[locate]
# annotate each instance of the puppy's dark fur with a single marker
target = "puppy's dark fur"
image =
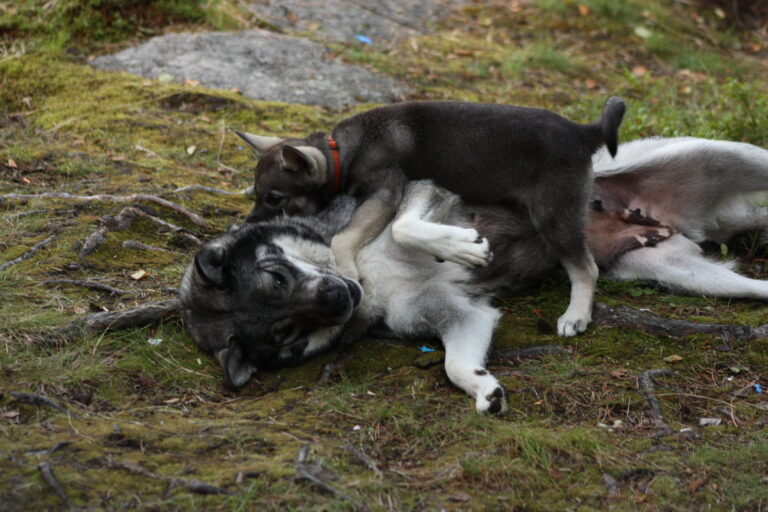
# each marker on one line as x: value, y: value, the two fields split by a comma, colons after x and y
x: 530, y: 160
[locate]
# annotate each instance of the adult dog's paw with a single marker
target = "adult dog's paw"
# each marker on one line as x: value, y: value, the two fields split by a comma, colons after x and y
x: 495, y: 402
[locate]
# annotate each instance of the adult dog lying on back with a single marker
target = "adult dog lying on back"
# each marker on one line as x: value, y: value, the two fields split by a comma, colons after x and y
x: 269, y: 294
x: 528, y: 160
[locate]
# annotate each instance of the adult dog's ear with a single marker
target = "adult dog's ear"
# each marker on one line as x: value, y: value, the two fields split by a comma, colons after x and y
x: 209, y: 263
x: 306, y: 160
x: 260, y: 143
x: 237, y: 368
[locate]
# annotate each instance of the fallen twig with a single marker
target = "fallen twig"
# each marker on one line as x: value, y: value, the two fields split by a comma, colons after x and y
x: 630, y: 318
x: 139, y: 246
x: 147, y: 314
x: 195, y: 486
x: 209, y: 190
x: 50, y: 479
x: 41, y: 401
x: 99, y: 287
x: 29, y: 253
x: 646, y: 386
x: 537, y: 351
x: 196, y: 219
x: 310, y: 472
x: 365, y: 459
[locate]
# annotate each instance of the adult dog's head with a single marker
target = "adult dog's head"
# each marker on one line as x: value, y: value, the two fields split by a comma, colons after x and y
x: 268, y: 295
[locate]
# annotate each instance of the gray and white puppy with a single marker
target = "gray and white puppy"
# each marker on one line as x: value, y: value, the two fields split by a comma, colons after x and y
x: 529, y: 160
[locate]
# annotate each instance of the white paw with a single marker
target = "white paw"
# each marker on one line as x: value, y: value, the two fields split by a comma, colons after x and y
x: 492, y: 402
x: 571, y: 324
x: 465, y: 247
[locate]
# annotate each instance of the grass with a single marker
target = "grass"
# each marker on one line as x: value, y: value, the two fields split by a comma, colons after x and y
x: 572, y: 419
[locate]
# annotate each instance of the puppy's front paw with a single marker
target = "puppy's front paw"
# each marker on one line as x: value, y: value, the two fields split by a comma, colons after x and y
x: 494, y: 402
x: 571, y: 324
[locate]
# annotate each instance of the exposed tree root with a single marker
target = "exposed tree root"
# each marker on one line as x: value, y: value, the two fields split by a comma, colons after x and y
x: 42, y: 401
x: 29, y: 253
x: 630, y: 318
x: 91, y: 285
x: 47, y: 473
x: 364, y: 459
x: 147, y: 314
x: 123, y: 221
x: 195, y: 486
x: 313, y: 474
x: 646, y: 386
x: 527, y: 352
x: 196, y: 219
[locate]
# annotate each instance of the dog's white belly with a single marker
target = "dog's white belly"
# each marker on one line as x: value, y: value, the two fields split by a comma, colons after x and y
x: 392, y: 277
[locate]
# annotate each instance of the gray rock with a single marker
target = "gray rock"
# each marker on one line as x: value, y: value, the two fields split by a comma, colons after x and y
x: 343, y: 20
x: 261, y: 64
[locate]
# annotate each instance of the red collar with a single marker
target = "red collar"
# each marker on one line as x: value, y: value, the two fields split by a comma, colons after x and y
x: 337, y: 164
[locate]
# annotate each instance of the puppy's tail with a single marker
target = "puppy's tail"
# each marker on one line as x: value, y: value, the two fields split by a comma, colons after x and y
x: 609, y: 122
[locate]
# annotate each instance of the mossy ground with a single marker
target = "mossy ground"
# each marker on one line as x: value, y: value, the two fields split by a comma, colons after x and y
x: 66, y: 127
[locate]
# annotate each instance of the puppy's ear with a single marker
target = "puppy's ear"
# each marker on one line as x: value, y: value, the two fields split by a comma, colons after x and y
x: 209, y: 263
x: 305, y: 159
x: 237, y: 368
x: 260, y: 143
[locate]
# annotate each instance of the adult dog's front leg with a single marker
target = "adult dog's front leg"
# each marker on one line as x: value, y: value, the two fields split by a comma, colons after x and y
x: 368, y: 221
x: 467, y: 339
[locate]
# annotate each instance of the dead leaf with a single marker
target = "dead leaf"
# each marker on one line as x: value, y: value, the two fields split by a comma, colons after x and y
x: 694, y: 485
x: 583, y: 9
x: 639, y: 71
x: 78, y: 310
x: 172, y: 401
x: 459, y: 496
x: 11, y: 415
x: 139, y: 274
x: 12, y: 164
x: 193, y: 83
x: 673, y: 358
x: 26, y: 180
x: 621, y: 372
x: 591, y: 84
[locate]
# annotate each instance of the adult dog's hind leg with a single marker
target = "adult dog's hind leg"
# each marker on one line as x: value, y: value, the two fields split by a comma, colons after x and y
x: 417, y: 226
x: 679, y: 264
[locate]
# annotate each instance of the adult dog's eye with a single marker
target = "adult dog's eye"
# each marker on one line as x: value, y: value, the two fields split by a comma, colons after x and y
x: 278, y: 281
x: 274, y: 199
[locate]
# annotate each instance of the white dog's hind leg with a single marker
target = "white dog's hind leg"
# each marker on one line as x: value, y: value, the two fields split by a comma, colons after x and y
x: 679, y: 264
x: 579, y: 313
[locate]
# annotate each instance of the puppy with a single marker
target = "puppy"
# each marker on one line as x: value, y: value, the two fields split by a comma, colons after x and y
x: 528, y: 160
